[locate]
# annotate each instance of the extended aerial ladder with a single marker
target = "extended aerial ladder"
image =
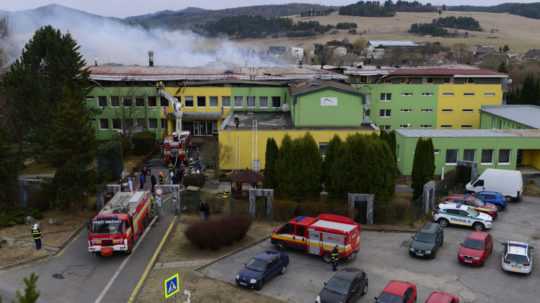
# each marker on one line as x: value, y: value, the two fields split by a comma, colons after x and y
x: 176, y: 104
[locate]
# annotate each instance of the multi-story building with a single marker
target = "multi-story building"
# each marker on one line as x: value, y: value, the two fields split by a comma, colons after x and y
x: 427, y: 97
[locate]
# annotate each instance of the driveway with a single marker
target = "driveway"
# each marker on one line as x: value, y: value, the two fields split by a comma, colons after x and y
x: 384, y: 257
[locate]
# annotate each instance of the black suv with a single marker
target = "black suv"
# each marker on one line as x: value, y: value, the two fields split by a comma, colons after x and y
x: 346, y: 286
x: 427, y: 241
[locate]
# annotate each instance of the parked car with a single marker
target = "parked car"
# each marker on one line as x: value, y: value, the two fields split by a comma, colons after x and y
x: 507, y: 182
x: 398, y: 291
x: 470, y: 200
x: 347, y: 285
x: 426, y: 242
x: 459, y: 214
x: 494, y: 198
x: 442, y: 297
x: 476, y: 248
x: 262, y: 268
x: 517, y: 257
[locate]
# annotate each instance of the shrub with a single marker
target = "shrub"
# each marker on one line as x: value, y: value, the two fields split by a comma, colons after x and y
x: 215, y: 234
x: 110, y: 161
x: 143, y: 142
x: 283, y: 210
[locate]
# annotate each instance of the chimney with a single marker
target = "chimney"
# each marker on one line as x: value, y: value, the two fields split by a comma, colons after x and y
x: 150, y: 58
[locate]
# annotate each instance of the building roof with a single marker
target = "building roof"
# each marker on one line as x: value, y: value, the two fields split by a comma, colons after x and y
x: 528, y: 115
x: 265, y: 120
x: 467, y: 133
x: 169, y: 73
x: 392, y: 43
x: 457, y: 72
x: 306, y: 87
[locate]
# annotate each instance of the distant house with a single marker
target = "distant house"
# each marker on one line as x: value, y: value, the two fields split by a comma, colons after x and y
x: 376, y: 48
x: 480, y: 51
x: 532, y: 54
x: 297, y: 52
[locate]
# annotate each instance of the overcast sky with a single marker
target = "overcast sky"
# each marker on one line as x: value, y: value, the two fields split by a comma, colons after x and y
x: 123, y: 8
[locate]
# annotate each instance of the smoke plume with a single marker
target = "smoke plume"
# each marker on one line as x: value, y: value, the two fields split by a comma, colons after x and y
x: 109, y: 40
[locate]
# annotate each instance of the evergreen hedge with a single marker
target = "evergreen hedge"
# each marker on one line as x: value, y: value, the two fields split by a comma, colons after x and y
x: 143, y: 143
x: 423, y: 165
x: 110, y: 163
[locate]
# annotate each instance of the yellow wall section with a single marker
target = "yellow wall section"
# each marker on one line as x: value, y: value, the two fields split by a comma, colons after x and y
x: 531, y: 158
x: 236, y: 146
x: 457, y: 117
x: 206, y: 91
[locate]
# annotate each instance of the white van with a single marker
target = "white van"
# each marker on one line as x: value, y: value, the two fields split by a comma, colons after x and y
x: 507, y: 182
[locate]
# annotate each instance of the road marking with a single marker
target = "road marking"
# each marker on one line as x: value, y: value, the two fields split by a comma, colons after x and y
x: 150, y: 264
x: 124, y: 263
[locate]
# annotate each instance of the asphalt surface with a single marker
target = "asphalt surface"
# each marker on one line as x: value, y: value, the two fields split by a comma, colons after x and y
x: 75, y: 275
x: 384, y: 256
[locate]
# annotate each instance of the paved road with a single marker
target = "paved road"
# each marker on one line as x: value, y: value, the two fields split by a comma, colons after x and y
x: 384, y: 257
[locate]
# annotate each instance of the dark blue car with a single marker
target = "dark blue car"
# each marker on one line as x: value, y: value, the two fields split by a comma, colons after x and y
x: 494, y: 198
x: 262, y: 268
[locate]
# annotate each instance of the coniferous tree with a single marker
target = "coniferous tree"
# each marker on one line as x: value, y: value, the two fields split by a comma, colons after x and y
x: 284, y: 166
x: 9, y: 169
x: 30, y: 294
x: 271, y: 156
x: 423, y: 166
x: 309, y: 167
x: 332, y: 153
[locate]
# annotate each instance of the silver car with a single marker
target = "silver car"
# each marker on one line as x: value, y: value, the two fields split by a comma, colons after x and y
x: 517, y: 257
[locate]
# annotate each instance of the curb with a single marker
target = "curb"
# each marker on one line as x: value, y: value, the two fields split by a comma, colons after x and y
x: 56, y: 253
x: 150, y: 264
x: 232, y: 253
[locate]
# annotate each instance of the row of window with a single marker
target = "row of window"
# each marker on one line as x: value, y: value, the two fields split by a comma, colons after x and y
x: 408, y: 125
x: 131, y: 123
x: 189, y: 101
x: 486, y: 156
x: 385, y: 97
x: 385, y: 112
x: 451, y: 126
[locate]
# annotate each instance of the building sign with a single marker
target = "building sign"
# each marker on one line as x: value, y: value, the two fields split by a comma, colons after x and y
x: 329, y: 101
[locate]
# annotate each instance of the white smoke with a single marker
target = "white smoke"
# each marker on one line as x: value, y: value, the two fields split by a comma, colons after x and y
x: 111, y: 41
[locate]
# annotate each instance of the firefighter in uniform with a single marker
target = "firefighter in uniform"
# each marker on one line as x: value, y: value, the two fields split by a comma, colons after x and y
x: 36, y: 235
x: 334, y: 258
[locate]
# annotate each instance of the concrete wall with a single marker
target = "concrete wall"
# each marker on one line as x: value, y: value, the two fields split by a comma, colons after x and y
x: 238, y: 148
x: 308, y: 111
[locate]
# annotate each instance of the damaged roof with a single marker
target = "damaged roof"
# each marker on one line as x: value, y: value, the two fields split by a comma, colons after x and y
x: 460, y: 72
x: 302, y: 88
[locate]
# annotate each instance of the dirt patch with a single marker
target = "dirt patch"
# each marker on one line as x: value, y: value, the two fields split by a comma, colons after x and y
x: 54, y: 236
x: 178, y: 247
x: 203, y: 290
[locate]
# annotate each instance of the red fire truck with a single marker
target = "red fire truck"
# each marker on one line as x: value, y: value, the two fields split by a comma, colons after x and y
x: 175, y: 147
x: 120, y: 223
x: 320, y: 235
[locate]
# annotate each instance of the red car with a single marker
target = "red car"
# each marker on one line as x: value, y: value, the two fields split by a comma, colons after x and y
x: 441, y: 297
x: 398, y: 291
x: 476, y: 248
x: 474, y: 202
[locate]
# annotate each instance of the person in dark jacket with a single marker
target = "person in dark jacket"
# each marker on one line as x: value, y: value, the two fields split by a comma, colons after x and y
x: 334, y: 258
x: 153, y: 181
x: 36, y: 235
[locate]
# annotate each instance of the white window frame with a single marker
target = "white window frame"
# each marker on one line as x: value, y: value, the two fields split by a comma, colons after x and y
x: 108, y: 124
x: 427, y: 110
x: 509, y: 156
x: 186, y: 98
x: 482, y: 154
x: 253, y: 99
x: 446, y: 157
x: 427, y: 94
x: 407, y: 94
x: 490, y: 94
x: 387, y: 113
x: 385, y: 97
x: 260, y: 103
x: 448, y: 94
x: 210, y: 101
x: 223, y: 104
x: 474, y: 154
x: 238, y: 98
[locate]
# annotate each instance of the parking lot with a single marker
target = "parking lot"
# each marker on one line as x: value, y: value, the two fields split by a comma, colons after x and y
x: 384, y: 257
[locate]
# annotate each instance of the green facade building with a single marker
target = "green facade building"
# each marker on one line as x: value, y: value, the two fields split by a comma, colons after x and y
x: 510, y: 117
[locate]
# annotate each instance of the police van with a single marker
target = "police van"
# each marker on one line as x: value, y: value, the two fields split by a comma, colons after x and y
x: 459, y: 214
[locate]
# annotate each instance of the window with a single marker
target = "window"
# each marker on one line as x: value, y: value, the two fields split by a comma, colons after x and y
x: 386, y: 96
x: 213, y: 101
x: 426, y: 126
x: 385, y: 112
x: 238, y: 101
x: 128, y: 101
x: 139, y: 101
x: 152, y: 123
x: 226, y: 101
x: 406, y: 110
x: 479, y: 183
x: 103, y: 123
x: 250, y: 101
x: 468, y: 155
x: 152, y: 101
x: 116, y: 124
x: 487, y: 156
x: 446, y: 125
x: 490, y: 94
x: 263, y: 101
x: 468, y: 94
x: 188, y: 101
x: 102, y: 101
x: 427, y: 110
x: 466, y: 126
x: 406, y: 94
x: 468, y: 110
x: 447, y: 110
x: 436, y: 151
x: 504, y: 156
x: 276, y: 102
x: 163, y: 123
x: 201, y: 101
x: 128, y: 123
x: 115, y: 101
x: 448, y: 94
x: 427, y: 94
x: 451, y: 156
x: 163, y: 101
x: 405, y: 125
x: 141, y: 123
x: 385, y: 127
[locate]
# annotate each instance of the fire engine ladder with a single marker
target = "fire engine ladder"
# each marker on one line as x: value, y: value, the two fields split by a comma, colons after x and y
x: 175, y: 103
